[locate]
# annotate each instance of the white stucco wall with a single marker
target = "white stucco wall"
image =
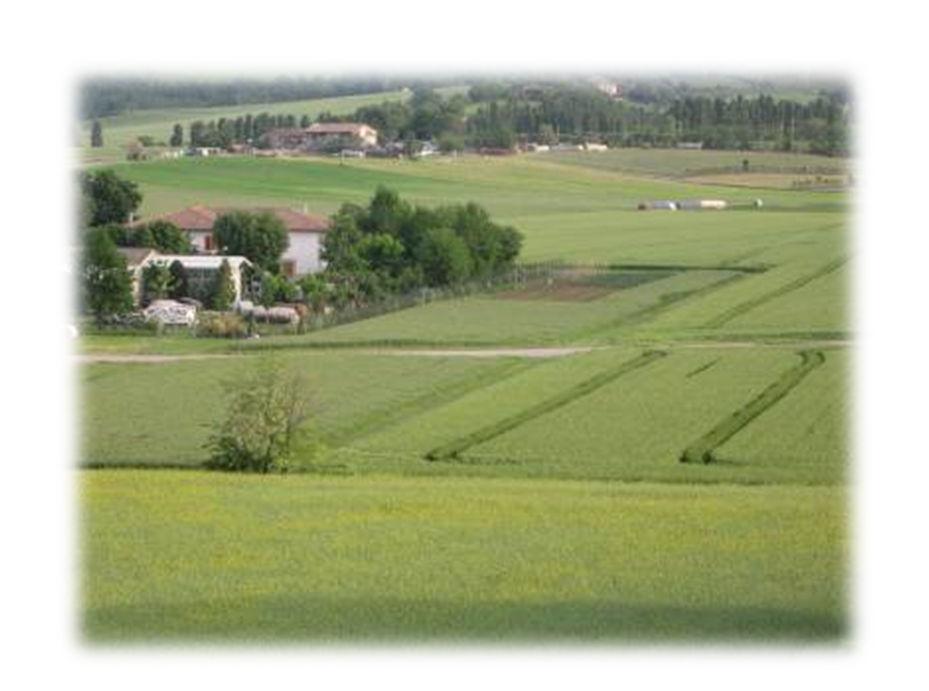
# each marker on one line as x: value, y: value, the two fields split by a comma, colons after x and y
x: 303, y: 250
x: 198, y: 238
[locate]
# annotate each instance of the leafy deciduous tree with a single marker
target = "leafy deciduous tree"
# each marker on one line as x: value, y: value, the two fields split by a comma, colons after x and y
x: 107, y: 284
x: 108, y: 198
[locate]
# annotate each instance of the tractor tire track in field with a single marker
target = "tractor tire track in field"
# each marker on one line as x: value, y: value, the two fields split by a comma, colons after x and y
x: 667, y: 301
x: 748, y: 305
x: 394, y: 413
x: 452, y: 451
x: 701, y: 450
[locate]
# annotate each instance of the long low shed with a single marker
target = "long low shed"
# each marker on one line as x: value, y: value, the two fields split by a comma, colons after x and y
x: 686, y: 205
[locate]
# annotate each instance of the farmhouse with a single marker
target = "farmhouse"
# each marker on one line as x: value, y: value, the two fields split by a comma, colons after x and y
x: 304, y: 231
x: 352, y: 135
x: 323, y: 132
x: 201, y: 269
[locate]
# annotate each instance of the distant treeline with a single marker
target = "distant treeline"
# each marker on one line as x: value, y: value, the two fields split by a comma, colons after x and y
x: 103, y: 97
x: 426, y: 115
x: 574, y: 113
x: 500, y: 115
x: 245, y: 128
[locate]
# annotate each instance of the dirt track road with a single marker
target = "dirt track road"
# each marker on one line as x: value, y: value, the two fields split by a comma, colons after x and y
x: 533, y: 353
x: 463, y: 352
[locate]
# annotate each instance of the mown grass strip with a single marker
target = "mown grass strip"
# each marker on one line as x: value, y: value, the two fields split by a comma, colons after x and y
x: 743, y: 307
x: 702, y: 449
x: 452, y: 450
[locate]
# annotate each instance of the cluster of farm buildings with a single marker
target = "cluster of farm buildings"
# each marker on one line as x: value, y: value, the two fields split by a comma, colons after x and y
x: 348, y: 139
x: 305, y: 233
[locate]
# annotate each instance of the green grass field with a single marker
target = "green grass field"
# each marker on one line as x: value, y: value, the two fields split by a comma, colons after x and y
x: 208, y: 557
x: 682, y: 163
x: 165, y: 410
x: 555, y: 505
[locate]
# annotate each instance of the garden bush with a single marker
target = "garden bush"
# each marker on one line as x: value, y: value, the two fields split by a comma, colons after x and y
x: 221, y: 325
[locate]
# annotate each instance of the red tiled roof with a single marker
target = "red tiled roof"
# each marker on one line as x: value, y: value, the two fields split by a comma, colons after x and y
x: 336, y: 127
x: 202, y: 218
x: 135, y: 255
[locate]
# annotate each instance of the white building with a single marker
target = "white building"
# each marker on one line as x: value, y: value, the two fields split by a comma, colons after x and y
x: 321, y: 132
x: 201, y: 268
x: 304, y: 232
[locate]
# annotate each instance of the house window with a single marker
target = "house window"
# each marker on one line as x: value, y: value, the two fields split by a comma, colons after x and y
x: 208, y: 243
x: 289, y: 268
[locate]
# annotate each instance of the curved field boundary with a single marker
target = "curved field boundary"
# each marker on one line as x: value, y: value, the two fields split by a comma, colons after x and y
x: 452, y: 450
x: 743, y: 307
x: 667, y: 301
x: 750, y: 269
x: 702, y: 449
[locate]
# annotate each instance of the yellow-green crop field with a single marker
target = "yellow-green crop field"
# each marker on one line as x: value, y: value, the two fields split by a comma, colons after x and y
x: 504, y: 497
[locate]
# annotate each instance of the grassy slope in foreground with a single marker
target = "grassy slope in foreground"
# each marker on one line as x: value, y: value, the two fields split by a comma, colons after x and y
x: 233, y: 557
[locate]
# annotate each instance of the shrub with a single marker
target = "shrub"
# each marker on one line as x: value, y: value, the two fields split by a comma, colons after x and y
x: 221, y: 325
x: 266, y: 413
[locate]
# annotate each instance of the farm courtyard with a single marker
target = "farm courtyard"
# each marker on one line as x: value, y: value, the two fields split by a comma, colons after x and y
x: 648, y: 445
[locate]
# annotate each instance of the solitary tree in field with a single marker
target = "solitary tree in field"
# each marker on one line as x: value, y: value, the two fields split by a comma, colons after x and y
x: 265, y: 423
x: 96, y: 135
x: 177, y: 136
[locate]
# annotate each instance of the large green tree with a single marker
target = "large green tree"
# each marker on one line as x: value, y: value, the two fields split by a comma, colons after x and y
x: 108, y: 198
x: 106, y: 283
x: 260, y: 237
x: 444, y: 257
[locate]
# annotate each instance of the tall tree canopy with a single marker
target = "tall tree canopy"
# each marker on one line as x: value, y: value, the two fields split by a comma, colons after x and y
x: 107, y: 198
x: 392, y: 245
x: 105, y: 281
x: 261, y: 237
x: 177, y: 135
